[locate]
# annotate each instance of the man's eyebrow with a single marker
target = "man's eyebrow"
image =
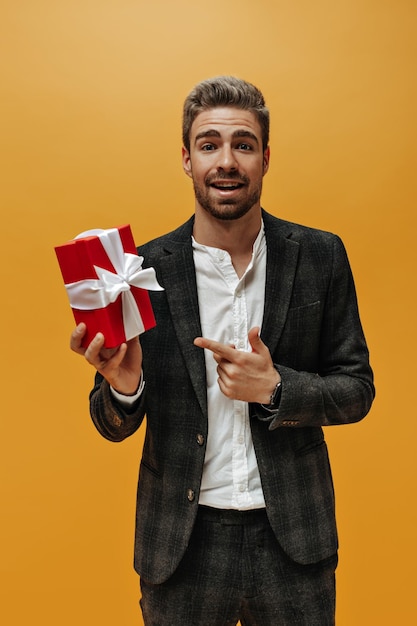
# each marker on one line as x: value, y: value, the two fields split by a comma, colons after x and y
x: 207, y: 133
x: 211, y: 132
x: 245, y: 133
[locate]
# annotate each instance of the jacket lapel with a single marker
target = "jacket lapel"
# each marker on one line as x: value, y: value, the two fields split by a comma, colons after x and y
x: 178, y: 277
x: 281, y: 265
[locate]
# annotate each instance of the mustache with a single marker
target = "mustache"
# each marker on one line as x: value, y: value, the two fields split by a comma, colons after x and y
x: 232, y: 176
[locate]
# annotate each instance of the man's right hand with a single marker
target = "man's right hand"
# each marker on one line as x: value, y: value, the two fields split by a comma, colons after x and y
x: 120, y: 366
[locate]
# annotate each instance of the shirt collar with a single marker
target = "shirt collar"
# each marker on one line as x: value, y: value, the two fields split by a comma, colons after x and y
x: 258, y: 244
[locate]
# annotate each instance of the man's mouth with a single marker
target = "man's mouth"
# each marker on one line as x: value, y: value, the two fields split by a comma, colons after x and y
x: 224, y: 186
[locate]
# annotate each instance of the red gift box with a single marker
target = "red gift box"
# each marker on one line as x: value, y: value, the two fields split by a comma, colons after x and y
x: 106, y: 285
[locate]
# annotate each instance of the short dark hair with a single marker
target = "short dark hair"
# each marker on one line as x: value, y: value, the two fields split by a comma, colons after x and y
x: 224, y: 91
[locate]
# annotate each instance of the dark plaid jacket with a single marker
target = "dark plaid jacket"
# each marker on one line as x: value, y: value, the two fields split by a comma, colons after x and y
x: 312, y: 328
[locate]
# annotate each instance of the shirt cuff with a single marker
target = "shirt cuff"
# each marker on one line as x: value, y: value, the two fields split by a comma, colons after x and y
x: 128, y: 400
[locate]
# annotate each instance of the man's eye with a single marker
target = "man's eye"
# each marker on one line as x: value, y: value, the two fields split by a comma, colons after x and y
x: 207, y: 147
x: 244, y: 146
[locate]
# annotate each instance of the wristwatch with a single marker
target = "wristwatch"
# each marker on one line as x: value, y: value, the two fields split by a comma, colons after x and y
x: 275, y: 398
x: 276, y: 394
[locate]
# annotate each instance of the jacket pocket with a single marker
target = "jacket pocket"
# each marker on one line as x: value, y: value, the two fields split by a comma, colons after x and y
x: 310, y: 447
x: 307, y: 440
x: 299, y: 345
x: 149, y: 468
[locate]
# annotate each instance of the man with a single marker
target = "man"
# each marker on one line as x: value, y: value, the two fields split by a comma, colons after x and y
x: 258, y: 344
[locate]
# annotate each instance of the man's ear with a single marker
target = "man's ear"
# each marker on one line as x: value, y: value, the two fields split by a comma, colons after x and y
x: 267, y: 154
x: 186, y: 162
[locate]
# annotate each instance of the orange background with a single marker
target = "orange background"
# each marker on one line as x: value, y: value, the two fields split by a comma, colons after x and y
x: 90, y: 111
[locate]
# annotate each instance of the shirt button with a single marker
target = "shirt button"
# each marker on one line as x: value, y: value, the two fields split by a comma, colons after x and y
x: 241, y: 488
x: 200, y: 439
x: 190, y: 495
x: 240, y: 439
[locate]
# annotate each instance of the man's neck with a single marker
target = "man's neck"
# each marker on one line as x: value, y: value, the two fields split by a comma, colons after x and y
x: 235, y: 236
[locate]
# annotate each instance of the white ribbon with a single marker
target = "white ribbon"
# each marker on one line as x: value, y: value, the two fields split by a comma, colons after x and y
x: 98, y: 293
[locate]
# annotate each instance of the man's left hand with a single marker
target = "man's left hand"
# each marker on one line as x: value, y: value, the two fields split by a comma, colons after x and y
x: 246, y: 376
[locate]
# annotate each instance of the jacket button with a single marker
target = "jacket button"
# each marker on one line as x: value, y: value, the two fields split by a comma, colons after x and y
x: 116, y: 420
x: 190, y: 495
x: 200, y: 439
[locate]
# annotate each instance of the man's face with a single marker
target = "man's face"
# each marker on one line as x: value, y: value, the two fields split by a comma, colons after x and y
x: 226, y: 161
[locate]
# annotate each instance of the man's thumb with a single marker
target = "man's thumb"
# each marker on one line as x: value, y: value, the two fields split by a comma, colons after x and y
x: 255, y: 340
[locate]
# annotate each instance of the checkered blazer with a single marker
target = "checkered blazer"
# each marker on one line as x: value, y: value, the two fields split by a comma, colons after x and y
x: 312, y: 328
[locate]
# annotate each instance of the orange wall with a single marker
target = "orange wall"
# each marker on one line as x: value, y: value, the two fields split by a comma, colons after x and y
x: 90, y: 112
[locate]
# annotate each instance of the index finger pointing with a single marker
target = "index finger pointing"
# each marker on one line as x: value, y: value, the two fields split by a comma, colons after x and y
x: 223, y: 350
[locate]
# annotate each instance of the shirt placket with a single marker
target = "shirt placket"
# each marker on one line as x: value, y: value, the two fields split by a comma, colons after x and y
x: 240, y: 473
x: 241, y: 494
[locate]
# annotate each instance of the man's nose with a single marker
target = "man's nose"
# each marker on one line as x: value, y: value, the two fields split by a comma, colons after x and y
x: 226, y: 159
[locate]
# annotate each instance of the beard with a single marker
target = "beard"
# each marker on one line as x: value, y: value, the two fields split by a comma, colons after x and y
x: 227, y: 208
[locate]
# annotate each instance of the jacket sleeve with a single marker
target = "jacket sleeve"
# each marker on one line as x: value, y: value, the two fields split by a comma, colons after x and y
x: 341, y: 391
x: 112, y: 419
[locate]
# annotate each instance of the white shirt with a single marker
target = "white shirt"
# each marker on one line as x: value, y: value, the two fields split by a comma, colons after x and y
x: 229, y: 308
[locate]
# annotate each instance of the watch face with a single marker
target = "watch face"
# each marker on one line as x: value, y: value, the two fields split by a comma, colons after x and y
x: 276, y: 393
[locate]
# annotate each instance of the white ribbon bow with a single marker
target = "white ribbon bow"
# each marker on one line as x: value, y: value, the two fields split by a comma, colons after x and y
x: 98, y: 293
